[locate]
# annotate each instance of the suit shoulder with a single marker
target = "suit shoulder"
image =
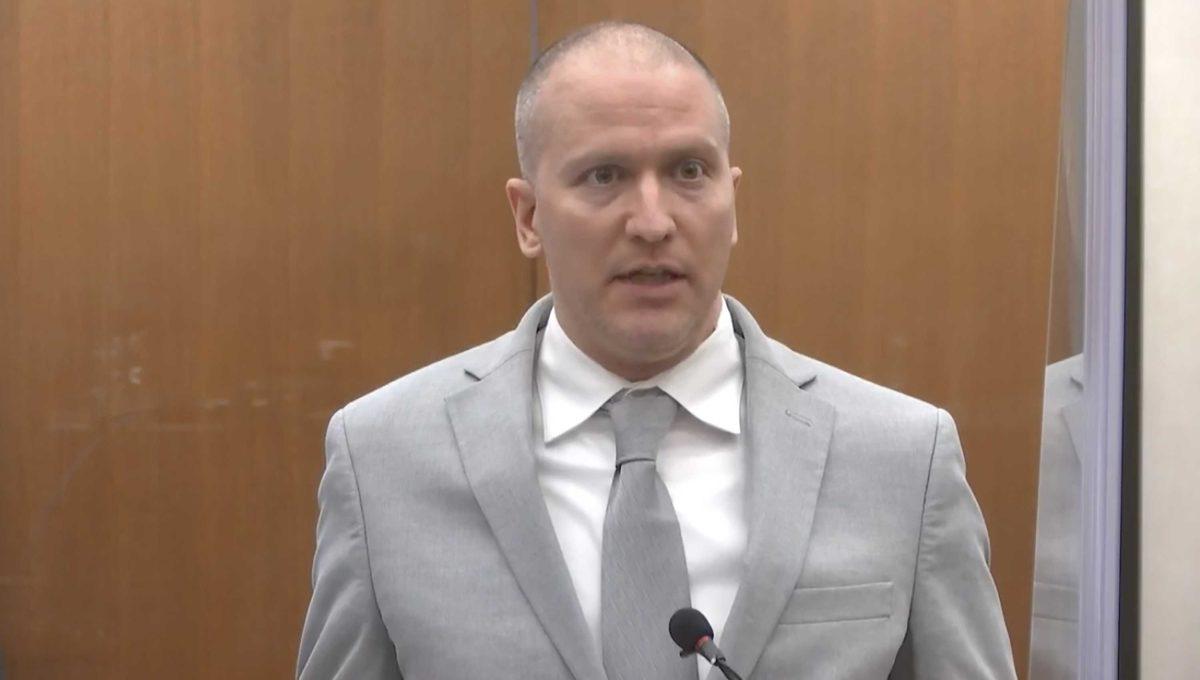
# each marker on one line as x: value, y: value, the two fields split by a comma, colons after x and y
x: 849, y: 393
x: 871, y: 422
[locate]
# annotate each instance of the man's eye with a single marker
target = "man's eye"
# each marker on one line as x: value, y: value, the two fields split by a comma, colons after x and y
x: 690, y: 170
x: 601, y: 176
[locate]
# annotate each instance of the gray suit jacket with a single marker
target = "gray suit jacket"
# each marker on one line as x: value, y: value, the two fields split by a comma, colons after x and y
x: 436, y: 558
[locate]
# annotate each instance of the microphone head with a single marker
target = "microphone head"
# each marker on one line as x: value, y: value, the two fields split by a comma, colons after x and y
x: 688, y: 627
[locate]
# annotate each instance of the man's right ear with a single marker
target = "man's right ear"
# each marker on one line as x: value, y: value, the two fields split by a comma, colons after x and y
x: 522, y: 201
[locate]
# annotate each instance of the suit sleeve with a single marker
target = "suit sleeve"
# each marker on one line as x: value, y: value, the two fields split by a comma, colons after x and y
x: 956, y: 627
x: 344, y: 635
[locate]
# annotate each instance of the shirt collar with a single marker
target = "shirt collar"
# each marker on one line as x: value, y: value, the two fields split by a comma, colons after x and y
x: 572, y: 386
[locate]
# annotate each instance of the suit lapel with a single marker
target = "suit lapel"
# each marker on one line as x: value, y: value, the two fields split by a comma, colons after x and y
x: 788, y: 435
x: 492, y: 422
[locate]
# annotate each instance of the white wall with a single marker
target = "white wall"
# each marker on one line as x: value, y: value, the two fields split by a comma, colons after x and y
x: 1170, y: 619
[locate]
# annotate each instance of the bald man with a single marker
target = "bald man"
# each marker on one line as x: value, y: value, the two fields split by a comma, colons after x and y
x: 503, y: 513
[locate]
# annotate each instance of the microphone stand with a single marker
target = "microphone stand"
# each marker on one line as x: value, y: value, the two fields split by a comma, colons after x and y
x: 706, y: 649
x: 730, y: 674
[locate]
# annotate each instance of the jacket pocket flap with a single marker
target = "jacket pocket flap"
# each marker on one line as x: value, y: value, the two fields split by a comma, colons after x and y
x: 839, y: 603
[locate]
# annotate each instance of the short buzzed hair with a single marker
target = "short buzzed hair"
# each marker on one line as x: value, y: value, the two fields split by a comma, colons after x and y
x: 646, y: 44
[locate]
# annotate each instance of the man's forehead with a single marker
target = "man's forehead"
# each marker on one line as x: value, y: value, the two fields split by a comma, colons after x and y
x: 593, y: 88
x: 589, y: 70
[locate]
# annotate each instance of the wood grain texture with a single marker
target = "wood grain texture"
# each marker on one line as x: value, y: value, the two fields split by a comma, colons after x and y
x: 896, y: 211
x: 221, y: 220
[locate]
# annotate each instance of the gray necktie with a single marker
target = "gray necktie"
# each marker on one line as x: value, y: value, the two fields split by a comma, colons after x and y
x: 643, y: 572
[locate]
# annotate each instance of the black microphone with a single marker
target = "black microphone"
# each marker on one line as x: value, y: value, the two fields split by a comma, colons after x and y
x: 694, y: 635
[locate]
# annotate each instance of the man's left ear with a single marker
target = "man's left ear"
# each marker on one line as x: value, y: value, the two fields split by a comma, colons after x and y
x: 735, y: 175
x: 523, y: 202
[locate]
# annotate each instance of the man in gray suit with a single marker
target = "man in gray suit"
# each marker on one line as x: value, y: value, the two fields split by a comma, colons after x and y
x: 471, y: 512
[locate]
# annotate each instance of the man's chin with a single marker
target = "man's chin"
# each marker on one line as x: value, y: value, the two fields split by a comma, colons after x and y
x: 658, y: 346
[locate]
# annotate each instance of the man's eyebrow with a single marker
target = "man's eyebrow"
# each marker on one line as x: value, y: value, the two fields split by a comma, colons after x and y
x: 697, y: 146
x: 693, y: 147
x: 592, y: 158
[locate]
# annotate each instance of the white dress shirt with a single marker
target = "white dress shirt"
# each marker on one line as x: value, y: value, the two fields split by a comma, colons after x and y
x: 701, y: 462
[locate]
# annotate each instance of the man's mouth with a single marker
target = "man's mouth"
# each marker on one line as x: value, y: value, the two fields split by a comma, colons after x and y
x: 650, y: 275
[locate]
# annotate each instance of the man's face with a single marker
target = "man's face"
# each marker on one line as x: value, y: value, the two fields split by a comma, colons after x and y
x: 632, y: 205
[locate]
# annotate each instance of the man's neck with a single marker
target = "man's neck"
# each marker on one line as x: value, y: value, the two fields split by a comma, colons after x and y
x: 637, y: 369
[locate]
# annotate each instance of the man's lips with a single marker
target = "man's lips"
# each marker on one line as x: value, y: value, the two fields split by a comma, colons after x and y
x: 656, y: 275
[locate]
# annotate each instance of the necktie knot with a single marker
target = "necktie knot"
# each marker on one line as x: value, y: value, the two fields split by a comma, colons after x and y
x: 641, y: 418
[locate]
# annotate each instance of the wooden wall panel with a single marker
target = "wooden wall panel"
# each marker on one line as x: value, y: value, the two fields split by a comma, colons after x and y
x: 221, y: 220
x: 896, y: 208
x: 51, y: 438
x: 13, y: 506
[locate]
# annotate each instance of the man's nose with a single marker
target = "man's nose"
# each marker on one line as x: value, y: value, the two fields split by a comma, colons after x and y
x: 650, y: 220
